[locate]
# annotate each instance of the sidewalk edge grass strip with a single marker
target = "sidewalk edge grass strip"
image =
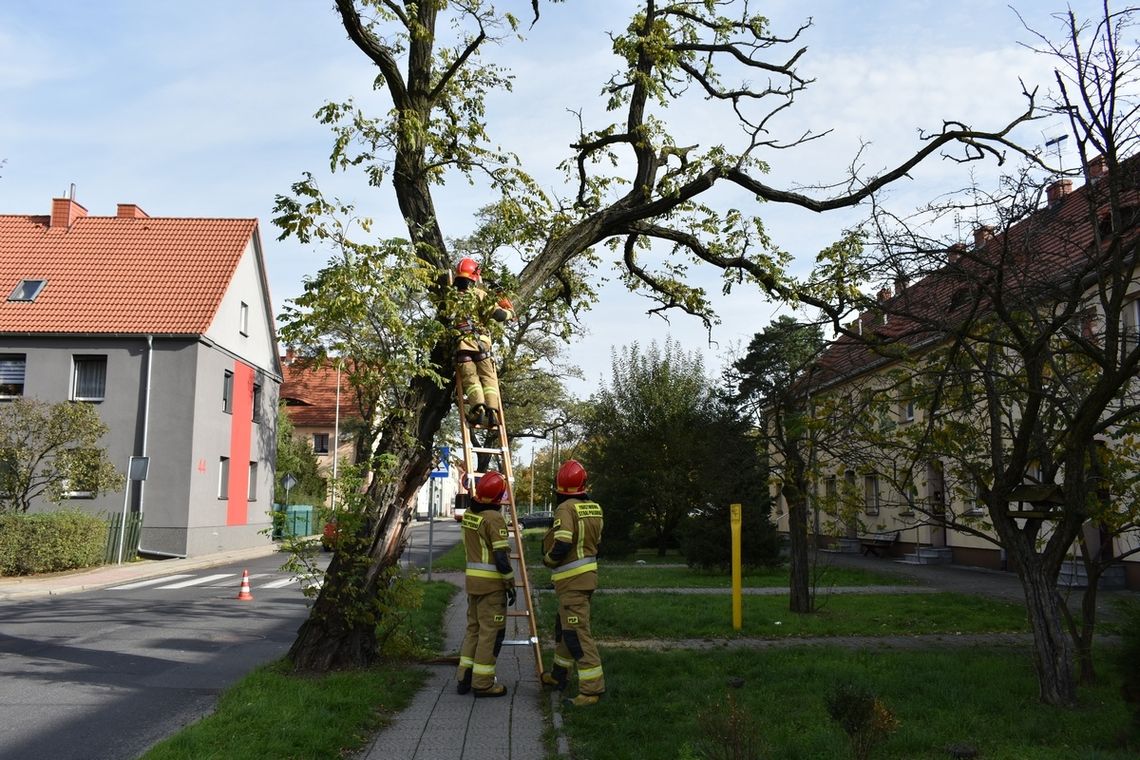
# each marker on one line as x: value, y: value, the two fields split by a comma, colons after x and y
x: 274, y: 712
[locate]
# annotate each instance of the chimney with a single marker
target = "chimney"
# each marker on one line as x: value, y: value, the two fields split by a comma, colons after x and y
x: 955, y: 252
x: 64, y: 212
x: 983, y: 234
x: 1058, y: 190
x: 130, y: 211
x: 884, y: 295
x: 1096, y: 168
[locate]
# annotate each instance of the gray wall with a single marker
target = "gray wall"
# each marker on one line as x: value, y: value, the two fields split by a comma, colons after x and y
x: 187, y: 435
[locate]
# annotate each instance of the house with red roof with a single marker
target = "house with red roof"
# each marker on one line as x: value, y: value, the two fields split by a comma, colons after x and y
x: 868, y: 495
x: 321, y: 413
x: 165, y: 325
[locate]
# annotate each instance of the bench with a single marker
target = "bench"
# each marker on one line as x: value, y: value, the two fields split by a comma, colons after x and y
x: 873, y: 543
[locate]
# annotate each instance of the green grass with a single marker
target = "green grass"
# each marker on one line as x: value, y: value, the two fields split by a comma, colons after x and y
x: 680, y: 616
x: 983, y: 697
x: 274, y: 713
x: 630, y: 574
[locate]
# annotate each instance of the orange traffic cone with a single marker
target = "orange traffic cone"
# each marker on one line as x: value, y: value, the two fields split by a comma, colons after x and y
x: 244, y: 594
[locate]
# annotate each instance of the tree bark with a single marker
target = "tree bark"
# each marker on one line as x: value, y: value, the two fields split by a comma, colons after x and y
x: 800, y: 597
x: 340, y: 631
x: 1052, y: 647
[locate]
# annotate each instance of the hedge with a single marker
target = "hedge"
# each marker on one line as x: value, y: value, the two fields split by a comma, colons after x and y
x: 50, y: 542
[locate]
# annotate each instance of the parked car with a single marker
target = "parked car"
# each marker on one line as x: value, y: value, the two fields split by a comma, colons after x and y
x: 537, y: 520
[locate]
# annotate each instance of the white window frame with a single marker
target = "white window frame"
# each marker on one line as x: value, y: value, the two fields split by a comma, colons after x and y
x: 228, y: 392
x: 256, y: 412
x: 252, y: 494
x: 243, y: 319
x: 78, y: 360
x: 8, y: 369
x: 871, y: 494
x: 27, y: 290
x: 319, y: 437
x: 224, y: 478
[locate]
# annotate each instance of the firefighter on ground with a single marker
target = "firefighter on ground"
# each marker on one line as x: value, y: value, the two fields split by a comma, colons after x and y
x: 570, y: 550
x: 478, y: 379
x: 490, y: 586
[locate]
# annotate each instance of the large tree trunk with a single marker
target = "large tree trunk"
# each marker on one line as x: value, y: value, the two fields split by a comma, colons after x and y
x: 341, y: 629
x: 1052, y: 647
x: 800, y: 597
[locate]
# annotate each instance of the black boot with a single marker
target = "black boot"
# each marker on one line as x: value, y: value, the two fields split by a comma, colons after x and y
x: 477, y: 415
x: 464, y: 684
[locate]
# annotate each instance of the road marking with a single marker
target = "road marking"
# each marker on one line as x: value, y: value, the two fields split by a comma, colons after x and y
x: 197, y: 581
x: 280, y: 583
x: 151, y: 582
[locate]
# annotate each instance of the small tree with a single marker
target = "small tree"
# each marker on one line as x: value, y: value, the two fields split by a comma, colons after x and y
x: 296, y: 458
x: 50, y: 449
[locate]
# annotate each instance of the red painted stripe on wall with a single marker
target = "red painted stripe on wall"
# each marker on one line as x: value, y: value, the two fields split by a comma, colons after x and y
x: 241, y: 431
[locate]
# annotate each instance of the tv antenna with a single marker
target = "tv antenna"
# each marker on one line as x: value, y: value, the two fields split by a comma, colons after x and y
x: 1055, y: 143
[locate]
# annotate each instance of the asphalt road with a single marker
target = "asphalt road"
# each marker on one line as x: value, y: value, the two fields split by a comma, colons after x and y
x: 105, y: 674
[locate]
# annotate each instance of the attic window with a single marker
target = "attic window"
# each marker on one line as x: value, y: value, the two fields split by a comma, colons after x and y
x: 27, y: 290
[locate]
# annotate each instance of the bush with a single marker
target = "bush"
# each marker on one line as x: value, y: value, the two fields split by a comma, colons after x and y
x: 50, y: 542
x: 862, y: 716
x: 1128, y: 661
x: 706, y: 540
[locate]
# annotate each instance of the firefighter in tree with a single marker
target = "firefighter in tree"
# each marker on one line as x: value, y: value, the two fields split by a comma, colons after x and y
x: 478, y: 379
x: 570, y: 550
x: 490, y: 585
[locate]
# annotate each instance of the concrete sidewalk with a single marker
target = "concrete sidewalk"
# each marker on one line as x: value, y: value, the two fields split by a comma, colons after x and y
x: 443, y: 725
x: 52, y: 584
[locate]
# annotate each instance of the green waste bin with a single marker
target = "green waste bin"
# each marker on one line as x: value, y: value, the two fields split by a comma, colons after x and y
x: 299, y: 520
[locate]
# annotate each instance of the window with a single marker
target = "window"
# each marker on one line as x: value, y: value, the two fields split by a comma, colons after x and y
x: 320, y: 443
x: 977, y: 504
x: 831, y: 491
x: 253, y: 481
x: 80, y: 461
x: 1131, y: 324
x: 243, y: 319
x: 257, y: 402
x: 906, y: 403
x: 88, y: 378
x: 228, y: 393
x: 224, y: 478
x: 871, y: 494
x: 27, y: 290
x: 911, y: 500
x: 12, y: 375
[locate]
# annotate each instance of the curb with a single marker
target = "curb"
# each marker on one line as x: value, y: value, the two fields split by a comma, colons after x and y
x: 32, y: 586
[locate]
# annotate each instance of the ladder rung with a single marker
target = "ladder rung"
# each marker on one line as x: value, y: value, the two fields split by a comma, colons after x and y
x: 480, y: 450
x: 520, y: 642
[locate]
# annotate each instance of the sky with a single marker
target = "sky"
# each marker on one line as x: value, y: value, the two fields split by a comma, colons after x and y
x: 206, y: 109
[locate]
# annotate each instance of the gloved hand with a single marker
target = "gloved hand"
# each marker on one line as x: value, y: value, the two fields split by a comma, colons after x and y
x: 548, y: 561
x: 512, y: 595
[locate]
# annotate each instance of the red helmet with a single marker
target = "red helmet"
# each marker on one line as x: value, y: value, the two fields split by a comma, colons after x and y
x: 490, y: 488
x: 571, y: 478
x: 468, y: 268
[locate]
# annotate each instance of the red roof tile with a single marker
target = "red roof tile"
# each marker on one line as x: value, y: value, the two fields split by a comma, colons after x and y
x: 1048, y: 249
x: 310, y: 395
x: 118, y: 275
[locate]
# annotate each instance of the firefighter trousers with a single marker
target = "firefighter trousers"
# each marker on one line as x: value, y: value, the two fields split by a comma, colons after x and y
x: 575, y: 643
x: 479, y: 381
x: 486, y: 628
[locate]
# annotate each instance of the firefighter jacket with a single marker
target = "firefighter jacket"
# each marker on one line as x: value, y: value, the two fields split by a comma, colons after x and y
x: 488, y: 551
x: 579, y: 524
x: 480, y: 309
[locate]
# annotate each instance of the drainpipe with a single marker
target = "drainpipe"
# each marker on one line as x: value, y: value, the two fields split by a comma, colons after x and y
x: 146, y: 432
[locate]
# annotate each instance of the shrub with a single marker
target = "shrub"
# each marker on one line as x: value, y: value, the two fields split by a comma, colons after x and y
x: 50, y: 542
x: 862, y: 716
x: 728, y: 733
x: 706, y: 540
